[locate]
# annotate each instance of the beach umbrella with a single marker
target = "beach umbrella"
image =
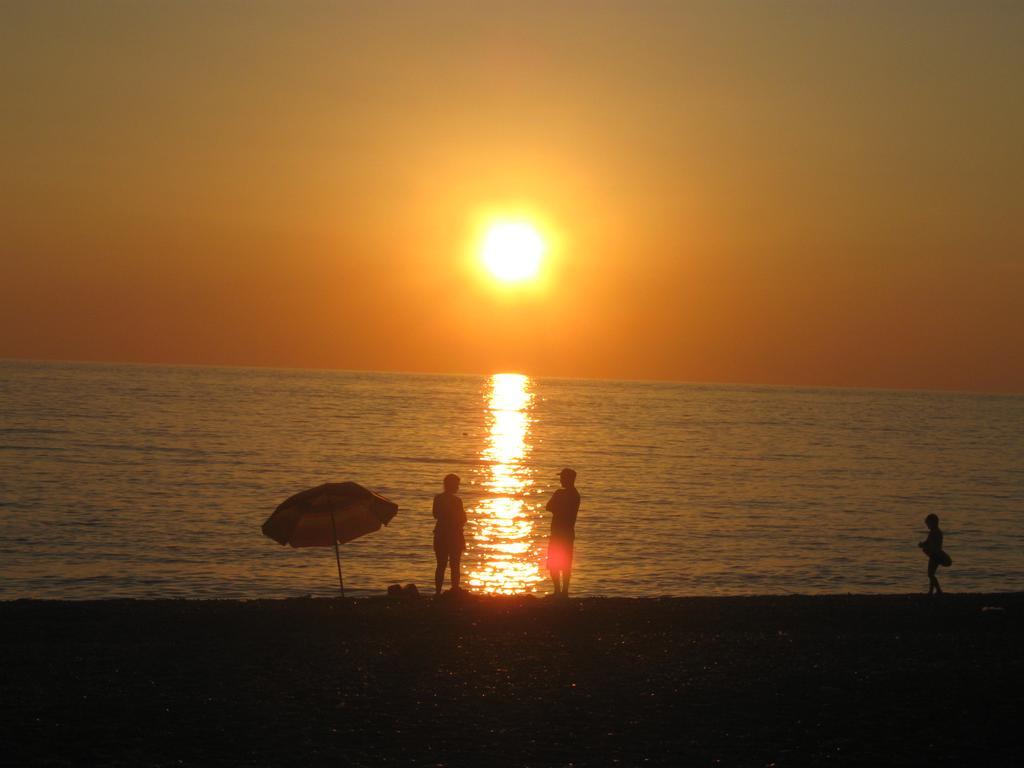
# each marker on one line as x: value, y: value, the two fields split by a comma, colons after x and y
x: 327, y: 515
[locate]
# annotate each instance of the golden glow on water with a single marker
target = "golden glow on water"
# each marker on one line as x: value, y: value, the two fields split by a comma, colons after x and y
x: 502, y: 557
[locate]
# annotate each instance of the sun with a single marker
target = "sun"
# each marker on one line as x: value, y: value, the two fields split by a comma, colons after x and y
x: 512, y: 250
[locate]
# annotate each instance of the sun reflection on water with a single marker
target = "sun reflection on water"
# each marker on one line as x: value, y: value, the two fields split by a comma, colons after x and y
x: 503, y: 557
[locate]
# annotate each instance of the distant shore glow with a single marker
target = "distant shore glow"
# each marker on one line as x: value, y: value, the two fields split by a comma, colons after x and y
x: 512, y: 250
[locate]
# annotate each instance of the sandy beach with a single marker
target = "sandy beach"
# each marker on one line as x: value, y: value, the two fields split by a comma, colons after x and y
x: 841, y: 680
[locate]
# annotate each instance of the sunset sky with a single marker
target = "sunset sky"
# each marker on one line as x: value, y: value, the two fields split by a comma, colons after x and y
x: 762, y: 192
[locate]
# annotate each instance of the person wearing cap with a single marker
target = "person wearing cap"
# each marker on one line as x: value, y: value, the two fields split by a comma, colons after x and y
x: 449, y: 541
x: 563, y: 506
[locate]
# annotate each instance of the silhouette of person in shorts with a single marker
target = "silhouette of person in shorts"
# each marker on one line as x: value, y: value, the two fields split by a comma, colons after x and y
x: 563, y: 506
x: 449, y: 540
x: 932, y: 547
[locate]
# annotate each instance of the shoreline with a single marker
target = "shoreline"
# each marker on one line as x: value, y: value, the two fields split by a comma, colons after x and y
x: 467, y: 598
x: 466, y: 680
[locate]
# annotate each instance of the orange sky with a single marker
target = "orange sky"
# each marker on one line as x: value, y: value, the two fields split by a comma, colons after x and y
x: 799, y: 193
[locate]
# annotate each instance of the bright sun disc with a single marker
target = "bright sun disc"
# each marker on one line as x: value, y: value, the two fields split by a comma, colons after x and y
x: 512, y: 251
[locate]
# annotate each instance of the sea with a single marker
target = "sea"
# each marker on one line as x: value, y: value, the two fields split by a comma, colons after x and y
x: 144, y: 481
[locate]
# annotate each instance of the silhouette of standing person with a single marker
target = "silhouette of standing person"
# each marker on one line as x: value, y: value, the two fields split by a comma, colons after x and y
x: 563, y: 506
x: 932, y: 546
x: 449, y: 540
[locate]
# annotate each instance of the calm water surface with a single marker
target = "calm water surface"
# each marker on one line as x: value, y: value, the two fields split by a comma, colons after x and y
x: 139, y: 481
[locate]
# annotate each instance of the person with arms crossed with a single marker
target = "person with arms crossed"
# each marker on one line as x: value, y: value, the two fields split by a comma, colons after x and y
x: 564, y: 505
x: 449, y: 540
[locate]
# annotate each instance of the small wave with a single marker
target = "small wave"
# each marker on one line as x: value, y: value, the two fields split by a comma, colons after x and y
x: 34, y: 448
x: 32, y: 431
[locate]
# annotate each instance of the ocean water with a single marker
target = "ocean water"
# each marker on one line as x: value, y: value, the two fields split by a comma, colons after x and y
x: 151, y: 481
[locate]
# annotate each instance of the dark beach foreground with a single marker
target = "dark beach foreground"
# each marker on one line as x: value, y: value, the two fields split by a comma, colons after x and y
x: 841, y: 680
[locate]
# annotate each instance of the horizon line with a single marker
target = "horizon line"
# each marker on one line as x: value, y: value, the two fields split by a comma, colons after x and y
x: 652, y: 380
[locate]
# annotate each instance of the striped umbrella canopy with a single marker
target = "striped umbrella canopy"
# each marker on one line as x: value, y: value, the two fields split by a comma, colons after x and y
x: 329, y: 515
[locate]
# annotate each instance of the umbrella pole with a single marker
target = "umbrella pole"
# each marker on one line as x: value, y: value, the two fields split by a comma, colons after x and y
x: 337, y: 555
